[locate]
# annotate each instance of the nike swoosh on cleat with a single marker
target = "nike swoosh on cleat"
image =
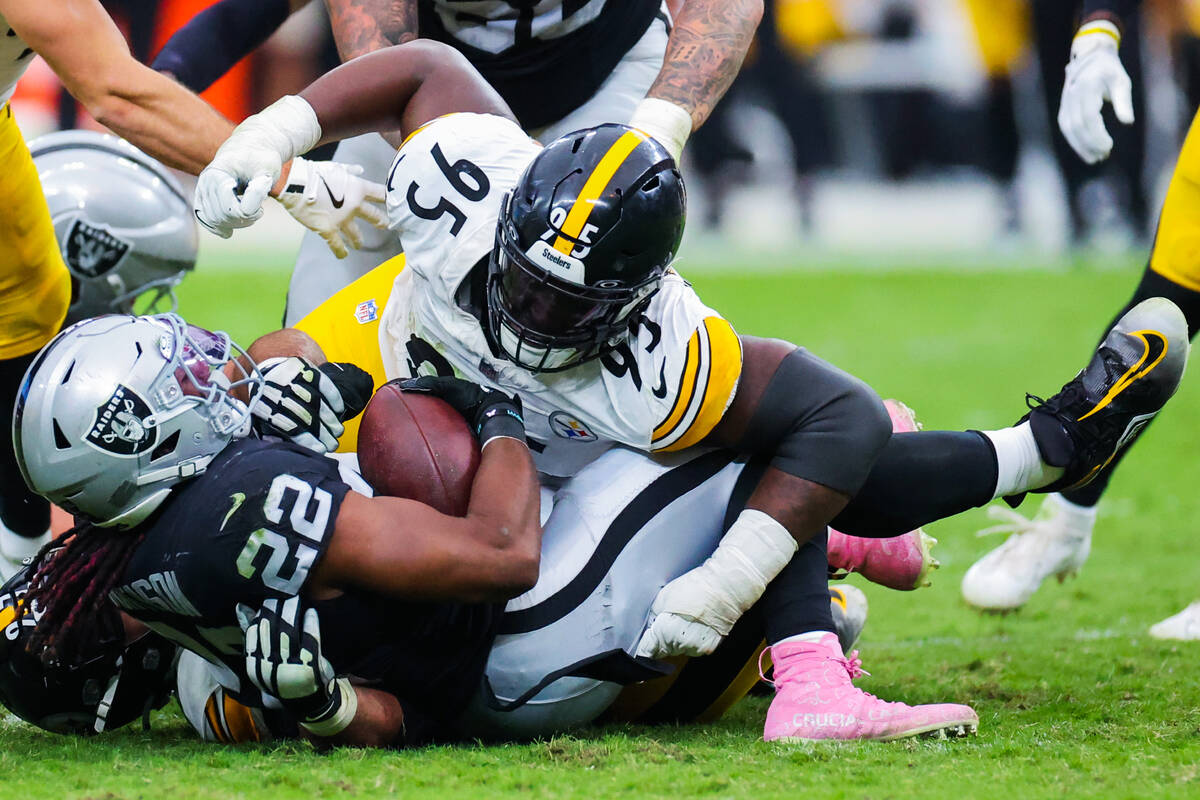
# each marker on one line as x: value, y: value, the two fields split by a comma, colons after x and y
x: 1132, y: 374
x: 338, y: 202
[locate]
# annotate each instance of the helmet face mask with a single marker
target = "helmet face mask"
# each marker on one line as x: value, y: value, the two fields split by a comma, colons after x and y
x: 582, y: 244
x: 116, y: 410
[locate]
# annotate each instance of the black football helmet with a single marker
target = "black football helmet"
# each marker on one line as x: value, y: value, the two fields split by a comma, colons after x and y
x: 582, y: 243
x: 112, y: 684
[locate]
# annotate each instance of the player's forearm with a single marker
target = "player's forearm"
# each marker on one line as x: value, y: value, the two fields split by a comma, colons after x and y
x: 705, y: 52
x: 399, y: 88
x: 378, y: 722
x: 217, y: 38
x: 161, y: 118
x: 506, y: 504
x: 363, y: 26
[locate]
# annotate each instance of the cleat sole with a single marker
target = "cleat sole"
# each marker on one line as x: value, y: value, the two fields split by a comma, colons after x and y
x: 928, y: 562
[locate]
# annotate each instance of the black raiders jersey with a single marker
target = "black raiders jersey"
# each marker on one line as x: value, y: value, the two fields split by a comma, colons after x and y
x: 544, y: 57
x: 251, y: 528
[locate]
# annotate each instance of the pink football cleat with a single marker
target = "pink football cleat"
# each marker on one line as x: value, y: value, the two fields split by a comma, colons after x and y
x: 815, y: 700
x: 900, y: 562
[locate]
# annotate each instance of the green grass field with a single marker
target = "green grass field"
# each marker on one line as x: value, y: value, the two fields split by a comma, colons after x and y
x: 1075, y: 699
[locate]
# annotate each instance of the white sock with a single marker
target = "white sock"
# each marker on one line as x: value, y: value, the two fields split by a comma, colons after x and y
x: 1080, y: 519
x: 1019, y: 464
x: 813, y: 637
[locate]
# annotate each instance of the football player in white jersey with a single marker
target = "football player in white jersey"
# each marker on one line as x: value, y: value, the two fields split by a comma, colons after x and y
x: 546, y: 272
x: 560, y: 66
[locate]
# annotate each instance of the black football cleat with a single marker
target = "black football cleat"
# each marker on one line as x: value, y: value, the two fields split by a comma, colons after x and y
x: 1132, y: 374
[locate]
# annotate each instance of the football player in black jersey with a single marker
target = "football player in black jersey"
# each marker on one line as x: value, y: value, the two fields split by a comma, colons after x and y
x: 203, y: 531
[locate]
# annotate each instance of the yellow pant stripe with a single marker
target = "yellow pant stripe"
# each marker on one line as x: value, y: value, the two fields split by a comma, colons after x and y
x: 593, y: 188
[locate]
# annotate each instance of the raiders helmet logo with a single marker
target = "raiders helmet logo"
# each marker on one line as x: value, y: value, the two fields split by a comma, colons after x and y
x: 92, y: 251
x: 122, y: 425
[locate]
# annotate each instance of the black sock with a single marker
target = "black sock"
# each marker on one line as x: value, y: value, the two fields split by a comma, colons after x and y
x: 1152, y: 285
x: 22, y: 512
x: 797, y: 601
x: 921, y: 477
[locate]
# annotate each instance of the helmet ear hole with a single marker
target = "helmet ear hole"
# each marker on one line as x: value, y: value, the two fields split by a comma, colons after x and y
x: 167, y: 447
x: 60, y: 439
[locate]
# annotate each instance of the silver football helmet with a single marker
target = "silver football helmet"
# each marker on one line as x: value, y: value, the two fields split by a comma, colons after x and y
x: 123, y: 223
x: 116, y: 410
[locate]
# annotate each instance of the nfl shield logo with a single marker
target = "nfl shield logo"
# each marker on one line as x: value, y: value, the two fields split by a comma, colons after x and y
x: 366, y: 311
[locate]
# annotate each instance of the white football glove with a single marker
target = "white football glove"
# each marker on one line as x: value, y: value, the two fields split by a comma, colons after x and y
x: 284, y: 660
x: 1094, y: 75
x: 682, y: 621
x: 328, y: 196
x: 694, y: 612
x: 300, y: 403
x: 231, y: 189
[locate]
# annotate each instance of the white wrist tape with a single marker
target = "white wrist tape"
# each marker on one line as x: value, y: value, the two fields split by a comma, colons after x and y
x: 1097, y: 33
x: 750, y: 555
x: 288, y: 126
x: 668, y: 123
x: 344, y: 716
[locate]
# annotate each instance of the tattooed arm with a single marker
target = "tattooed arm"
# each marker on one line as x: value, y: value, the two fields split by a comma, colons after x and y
x: 361, y: 26
x: 704, y: 53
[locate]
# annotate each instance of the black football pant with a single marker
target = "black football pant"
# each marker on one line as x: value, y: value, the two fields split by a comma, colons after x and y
x: 21, y: 511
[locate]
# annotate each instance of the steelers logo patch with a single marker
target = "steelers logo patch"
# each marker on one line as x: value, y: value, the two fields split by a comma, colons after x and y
x: 122, y: 425
x: 567, y: 427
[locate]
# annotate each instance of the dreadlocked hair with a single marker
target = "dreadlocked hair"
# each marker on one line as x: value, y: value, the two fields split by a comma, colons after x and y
x: 69, y: 582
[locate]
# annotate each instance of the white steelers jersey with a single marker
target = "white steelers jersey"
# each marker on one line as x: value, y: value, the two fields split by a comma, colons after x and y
x: 662, y: 389
x: 494, y: 26
x: 15, y: 56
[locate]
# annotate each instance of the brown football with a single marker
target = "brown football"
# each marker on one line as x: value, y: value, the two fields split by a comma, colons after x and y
x: 417, y: 446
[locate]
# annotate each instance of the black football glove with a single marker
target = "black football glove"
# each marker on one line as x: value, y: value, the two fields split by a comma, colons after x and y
x: 299, y: 402
x: 490, y: 412
x: 284, y: 660
x: 354, y: 384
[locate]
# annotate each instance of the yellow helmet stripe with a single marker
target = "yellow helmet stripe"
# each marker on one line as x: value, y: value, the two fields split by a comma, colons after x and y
x: 594, y: 187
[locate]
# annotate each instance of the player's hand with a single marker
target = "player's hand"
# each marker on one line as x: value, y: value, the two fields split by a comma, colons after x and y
x: 299, y: 403
x: 231, y: 189
x: 1094, y: 75
x: 684, y: 619
x: 284, y: 660
x: 327, y: 197
x: 490, y: 412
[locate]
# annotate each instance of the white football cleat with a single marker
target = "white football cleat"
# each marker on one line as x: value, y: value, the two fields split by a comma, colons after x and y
x: 1055, y: 542
x: 1184, y: 626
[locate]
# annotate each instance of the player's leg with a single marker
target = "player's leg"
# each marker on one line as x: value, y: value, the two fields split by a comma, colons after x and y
x: 35, y: 289
x: 318, y: 273
x: 1057, y: 540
